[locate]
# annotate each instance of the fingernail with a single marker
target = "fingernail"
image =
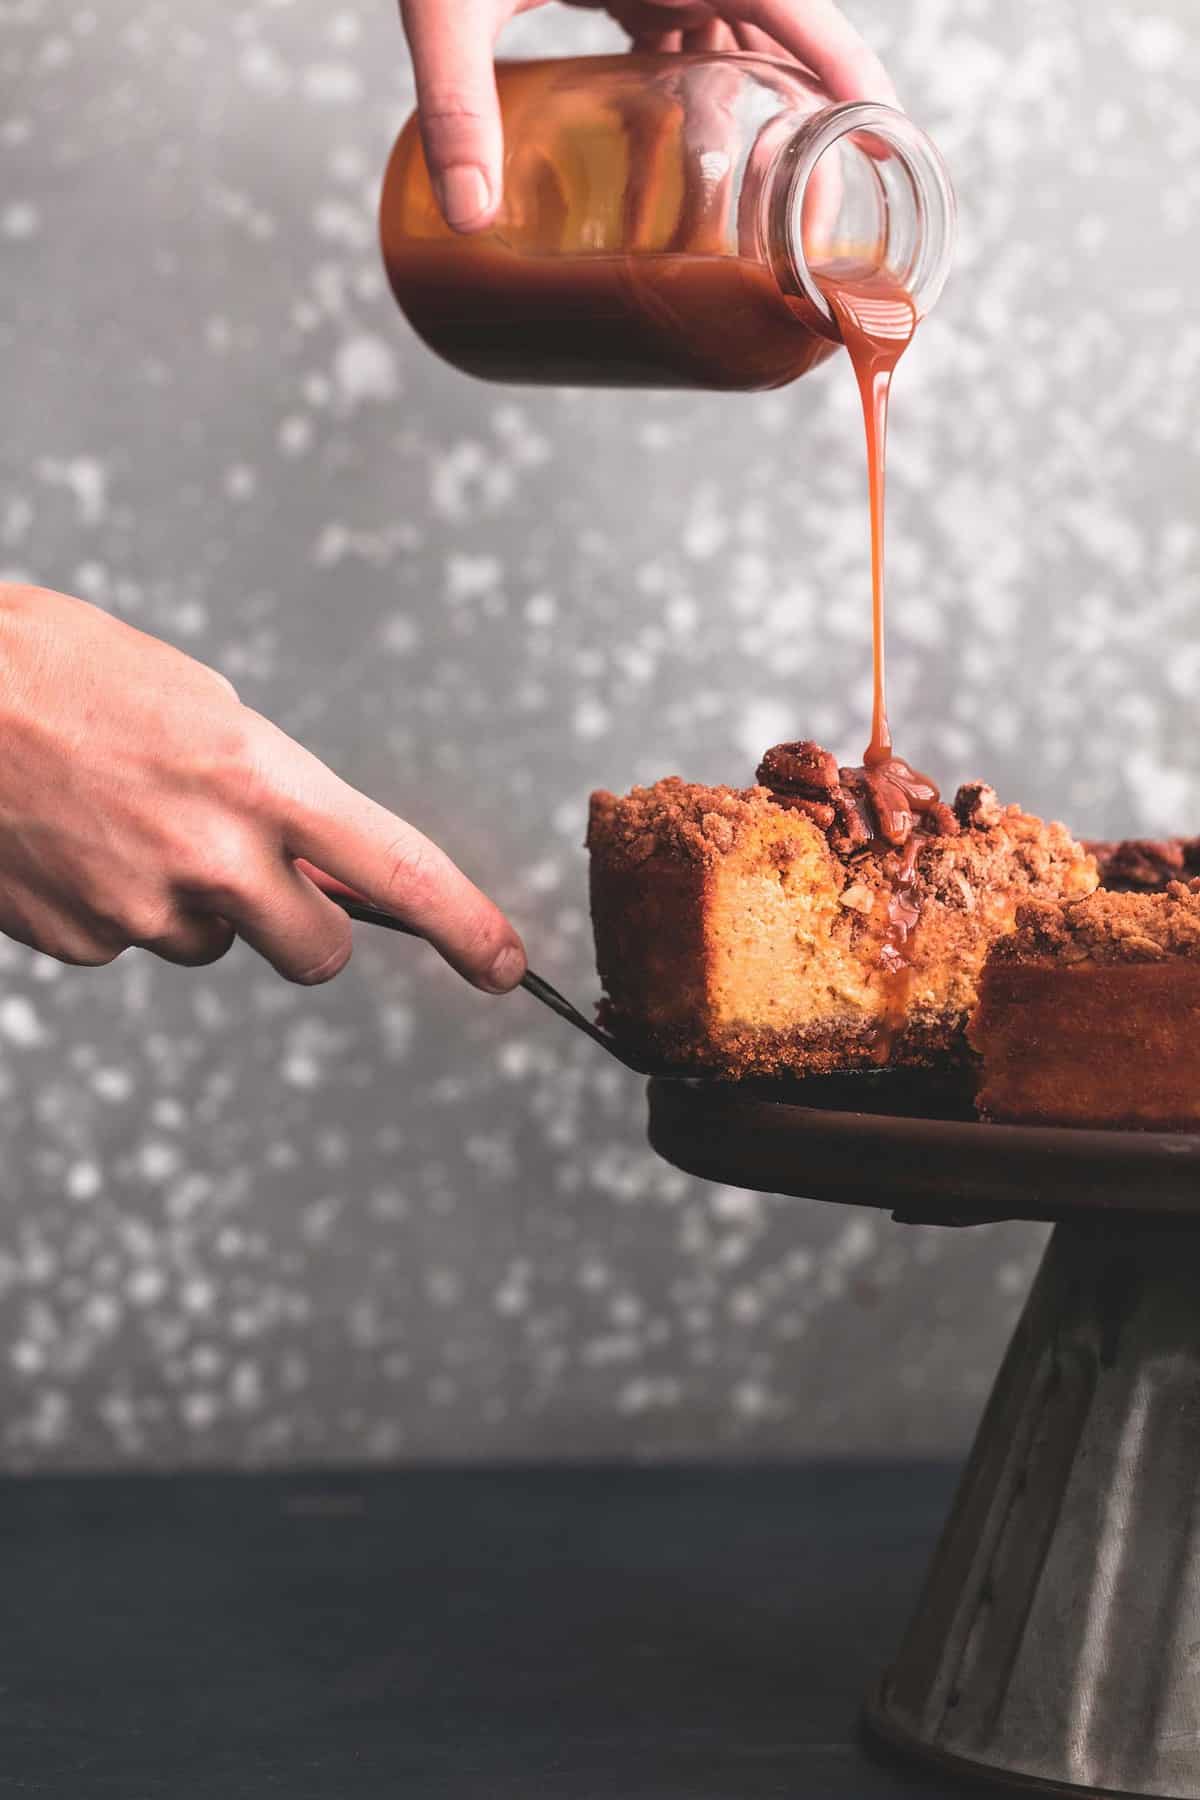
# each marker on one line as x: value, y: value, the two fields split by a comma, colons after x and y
x: 507, y: 969
x: 464, y: 193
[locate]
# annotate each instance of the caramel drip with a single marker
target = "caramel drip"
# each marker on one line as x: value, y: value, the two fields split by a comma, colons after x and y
x: 877, y: 318
x: 904, y: 911
x: 903, y: 917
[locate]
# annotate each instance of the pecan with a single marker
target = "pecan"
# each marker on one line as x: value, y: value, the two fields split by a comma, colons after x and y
x: 1141, y: 864
x: 856, y: 808
x: 819, y: 811
x: 800, y: 768
x: 807, y: 779
x: 942, y: 821
x: 896, y: 797
x: 977, y: 806
x: 857, y: 816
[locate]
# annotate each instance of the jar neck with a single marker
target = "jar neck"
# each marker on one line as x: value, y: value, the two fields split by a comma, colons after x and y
x: 858, y: 189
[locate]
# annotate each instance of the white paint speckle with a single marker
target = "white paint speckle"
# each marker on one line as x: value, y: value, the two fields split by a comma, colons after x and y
x: 20, y: 219
x: 19, y: 1023
x: 365, y: 368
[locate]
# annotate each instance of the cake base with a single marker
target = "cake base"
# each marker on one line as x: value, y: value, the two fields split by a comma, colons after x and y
x: 1057, y: 1643
x: 1057, y: 1637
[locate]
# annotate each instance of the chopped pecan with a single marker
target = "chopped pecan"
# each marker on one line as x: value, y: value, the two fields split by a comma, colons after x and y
x: 800, y: 768
x: 807, y: 779
x: 1142, y: 864
x: 820, y: 812
x: 857, y: 808
x: 977, y: 807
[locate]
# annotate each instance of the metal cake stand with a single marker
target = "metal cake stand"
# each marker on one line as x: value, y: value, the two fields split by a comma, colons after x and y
x: 1056, y: 1644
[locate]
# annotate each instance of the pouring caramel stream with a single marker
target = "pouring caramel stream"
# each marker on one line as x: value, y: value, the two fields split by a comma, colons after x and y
x: 877, y: 318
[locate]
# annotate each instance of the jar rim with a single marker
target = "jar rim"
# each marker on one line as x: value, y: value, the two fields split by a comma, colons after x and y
x: 923, y: 163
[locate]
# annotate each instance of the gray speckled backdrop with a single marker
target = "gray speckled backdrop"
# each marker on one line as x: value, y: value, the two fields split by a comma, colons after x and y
x: 240, y: 1222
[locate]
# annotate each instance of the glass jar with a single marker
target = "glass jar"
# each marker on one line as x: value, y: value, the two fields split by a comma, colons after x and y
x: 667, y: 221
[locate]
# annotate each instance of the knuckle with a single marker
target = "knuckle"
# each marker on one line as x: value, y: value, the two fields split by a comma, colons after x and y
x: 141, y: 921
x: 218, y: 861
x: 241, y: 756
x: 415, y: 873
x: 449, y: 107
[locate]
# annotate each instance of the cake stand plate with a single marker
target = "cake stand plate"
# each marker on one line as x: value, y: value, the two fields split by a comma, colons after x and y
x: 911, y: 1143
x: 1056, y: 1644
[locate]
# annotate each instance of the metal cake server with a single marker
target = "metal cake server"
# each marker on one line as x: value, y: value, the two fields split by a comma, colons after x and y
x: 533, y: 984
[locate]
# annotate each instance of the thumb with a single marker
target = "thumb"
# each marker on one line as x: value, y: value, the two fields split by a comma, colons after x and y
x: 452, y: 48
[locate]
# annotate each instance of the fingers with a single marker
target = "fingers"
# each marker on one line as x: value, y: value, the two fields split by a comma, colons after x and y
x: 658, y: 42
x: 452, y: 48
x: 193, y: 940
x: 751, y: 39
x: 46, y: 928
x: 820, y: 35
x: 660, y: 27
x: 714, y: 35
x: 283, y: 916
x: 393, y: 866
x: 814, y: 32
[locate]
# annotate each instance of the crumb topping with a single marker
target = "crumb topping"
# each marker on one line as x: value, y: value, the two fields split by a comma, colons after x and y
x: 1146, y: 865
x: 698, y: 824
x: 1107, y: 927
x: 983, y: 845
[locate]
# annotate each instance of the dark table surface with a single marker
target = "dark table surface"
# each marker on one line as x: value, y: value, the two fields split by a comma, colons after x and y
x: 582, y: 1634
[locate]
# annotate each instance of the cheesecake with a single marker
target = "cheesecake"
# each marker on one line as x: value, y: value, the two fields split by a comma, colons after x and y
x: 823, y: 919
x: 1089, y: 1012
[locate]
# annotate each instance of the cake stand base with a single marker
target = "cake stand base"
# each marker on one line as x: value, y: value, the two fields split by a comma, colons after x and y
x: 1058, y: 1637
x: 1057, y: 1641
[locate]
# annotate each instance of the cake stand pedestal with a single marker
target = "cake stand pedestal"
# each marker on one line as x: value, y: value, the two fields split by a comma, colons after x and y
x: 1056, y: 1644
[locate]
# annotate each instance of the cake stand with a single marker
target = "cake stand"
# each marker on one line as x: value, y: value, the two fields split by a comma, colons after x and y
x: 1056, y: 1644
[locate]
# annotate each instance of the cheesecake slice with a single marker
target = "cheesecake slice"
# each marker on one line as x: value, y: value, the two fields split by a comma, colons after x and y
x: 1089, y: 1013
x: 775, y: 929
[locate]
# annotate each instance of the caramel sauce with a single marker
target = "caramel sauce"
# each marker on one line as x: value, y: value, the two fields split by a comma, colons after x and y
x: 641, y: 319
x: 877, y: 318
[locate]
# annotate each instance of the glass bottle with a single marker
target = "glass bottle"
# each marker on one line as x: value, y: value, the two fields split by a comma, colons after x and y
x: 667, y: 221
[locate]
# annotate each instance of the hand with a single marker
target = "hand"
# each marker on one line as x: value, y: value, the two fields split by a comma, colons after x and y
x: 453, y: 42
x: 142, y: 804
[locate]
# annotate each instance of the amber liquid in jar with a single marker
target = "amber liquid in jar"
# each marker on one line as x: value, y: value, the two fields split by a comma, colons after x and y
x: 624, y: 255
x: 648, y: 321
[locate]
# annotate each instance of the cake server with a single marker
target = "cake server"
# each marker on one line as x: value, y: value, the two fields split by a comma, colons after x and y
x: 533, y: 984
